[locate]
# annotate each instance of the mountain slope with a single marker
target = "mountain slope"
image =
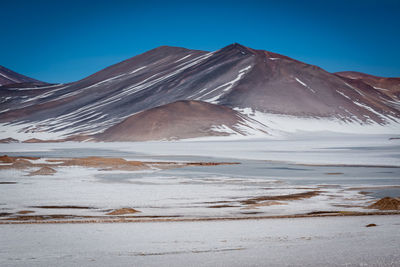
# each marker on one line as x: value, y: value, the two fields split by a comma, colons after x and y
x: 387, y: 86
x: 8, y: 76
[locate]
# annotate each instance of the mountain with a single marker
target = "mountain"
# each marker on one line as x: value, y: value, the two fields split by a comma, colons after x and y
x: 8, y: 76
x: 279, y: 93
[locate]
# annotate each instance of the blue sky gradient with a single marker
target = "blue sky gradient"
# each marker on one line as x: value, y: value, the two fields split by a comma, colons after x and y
x: 64, y: 41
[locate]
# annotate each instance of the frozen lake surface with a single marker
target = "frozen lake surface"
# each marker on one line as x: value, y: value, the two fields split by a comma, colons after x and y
x: 347, y: 173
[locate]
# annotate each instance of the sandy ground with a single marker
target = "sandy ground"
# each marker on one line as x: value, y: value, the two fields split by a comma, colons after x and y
x: 334, y: 241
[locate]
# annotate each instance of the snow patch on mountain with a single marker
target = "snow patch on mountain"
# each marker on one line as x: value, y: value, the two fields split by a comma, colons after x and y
x: 282, y: 124
x: 24, y: 131
x: 227, y: 87
x: 304, y: 84
x: 341, y: 93
x: 7, y: 77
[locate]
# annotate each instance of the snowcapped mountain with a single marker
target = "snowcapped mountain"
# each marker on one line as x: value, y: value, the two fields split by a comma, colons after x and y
x: 176, y: 93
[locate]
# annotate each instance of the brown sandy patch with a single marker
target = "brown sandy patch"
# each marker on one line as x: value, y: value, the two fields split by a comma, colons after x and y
x: 43, y: 171
x: 334, y: 173
x: 123, y: 211
x: 8, y: 140
x: 101, y: 163
x: 122, y: 164
x: 63, y: 207
x: 22, y: 164
x: 263, y: 204
x: 25, y: 211
x: 7, y: 159
x: 18, y: 163
x: 104, y: 163
x: 297, y: 196
x: 70, y: 219
x: 35, y: 218
x: 386, y: 203
x: 222, y: 206
x: 322, y: 212
x: 216, y: 202
x: 263, y: 201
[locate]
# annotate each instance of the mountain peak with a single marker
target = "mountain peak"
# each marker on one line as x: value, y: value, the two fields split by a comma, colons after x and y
x: 172, y: 49
x: 237, y: 47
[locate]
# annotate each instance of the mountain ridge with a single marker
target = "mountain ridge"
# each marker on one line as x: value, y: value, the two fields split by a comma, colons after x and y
x: 8, y: 77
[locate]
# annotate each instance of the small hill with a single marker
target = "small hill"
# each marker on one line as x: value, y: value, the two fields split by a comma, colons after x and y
x: 178, y: 120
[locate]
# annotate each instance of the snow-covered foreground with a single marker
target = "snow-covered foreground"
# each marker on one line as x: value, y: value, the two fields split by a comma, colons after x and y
x: 278, y: 242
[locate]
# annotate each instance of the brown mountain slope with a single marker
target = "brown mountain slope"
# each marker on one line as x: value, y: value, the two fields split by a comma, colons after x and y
x: 178, y: 120
x: 387, y: 86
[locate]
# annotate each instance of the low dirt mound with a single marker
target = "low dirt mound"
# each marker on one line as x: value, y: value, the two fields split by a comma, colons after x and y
x: 8, y: 140
x: 22, y: 164
x: 43, y: 171
x: 178, y: 120
x: 106, y: 163
x: 7, y: 159
x: 123, y: 211
x: 386, y: 203
x: 297, y: 196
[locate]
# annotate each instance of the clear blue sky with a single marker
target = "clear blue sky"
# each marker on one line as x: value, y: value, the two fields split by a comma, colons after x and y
x: 63, y: 41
